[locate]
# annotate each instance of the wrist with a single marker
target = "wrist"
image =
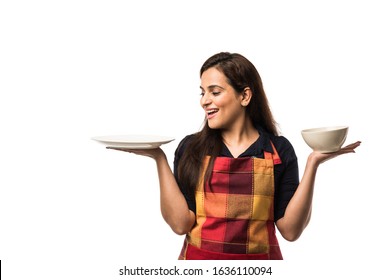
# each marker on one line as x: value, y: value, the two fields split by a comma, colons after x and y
x: 159, y: 155
x: 313, y: 161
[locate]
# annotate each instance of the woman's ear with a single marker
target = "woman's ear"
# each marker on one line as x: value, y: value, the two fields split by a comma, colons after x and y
x: 246, y: 96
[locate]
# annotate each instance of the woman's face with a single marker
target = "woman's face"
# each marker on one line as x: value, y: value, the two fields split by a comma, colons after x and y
x: 222, y: 104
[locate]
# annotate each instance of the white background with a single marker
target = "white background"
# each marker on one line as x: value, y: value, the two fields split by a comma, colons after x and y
x: 71, y: 70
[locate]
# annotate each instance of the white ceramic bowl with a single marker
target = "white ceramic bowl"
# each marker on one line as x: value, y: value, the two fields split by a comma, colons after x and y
x: 325, y: 139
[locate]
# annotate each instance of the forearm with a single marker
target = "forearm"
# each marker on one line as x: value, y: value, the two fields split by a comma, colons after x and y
x: 298, y: 211
x: 174, y: 207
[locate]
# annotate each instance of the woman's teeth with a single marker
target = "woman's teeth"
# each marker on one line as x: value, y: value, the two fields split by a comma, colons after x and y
x: 212, y: 111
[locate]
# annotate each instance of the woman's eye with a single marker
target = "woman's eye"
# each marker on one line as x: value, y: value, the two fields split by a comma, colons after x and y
x: 213, y: 93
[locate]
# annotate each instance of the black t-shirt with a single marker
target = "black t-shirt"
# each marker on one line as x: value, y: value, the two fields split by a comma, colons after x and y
x: 286, y: 174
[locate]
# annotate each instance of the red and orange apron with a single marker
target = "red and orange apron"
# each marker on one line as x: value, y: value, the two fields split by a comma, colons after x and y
x: 235, y: 211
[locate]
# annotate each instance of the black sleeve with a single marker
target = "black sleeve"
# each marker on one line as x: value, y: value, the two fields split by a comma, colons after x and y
x: 184, y: 189
x: 286, y: 177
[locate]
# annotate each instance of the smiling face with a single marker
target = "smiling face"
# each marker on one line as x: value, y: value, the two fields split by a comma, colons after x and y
x: 224, y: 107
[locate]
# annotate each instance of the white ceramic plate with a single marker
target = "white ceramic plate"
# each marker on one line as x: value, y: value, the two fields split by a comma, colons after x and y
x: 133, y: 141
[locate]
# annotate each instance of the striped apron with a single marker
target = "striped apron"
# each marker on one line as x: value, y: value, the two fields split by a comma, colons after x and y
x: 235, y: 211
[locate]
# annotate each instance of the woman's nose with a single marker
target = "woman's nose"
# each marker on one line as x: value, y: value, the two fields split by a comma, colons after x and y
x: 205, y: 100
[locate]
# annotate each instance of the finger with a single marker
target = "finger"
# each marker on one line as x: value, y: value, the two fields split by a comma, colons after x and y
x: 351, y: 146
x: 349, y: 149
x: 356, y: 144
x: 119, y: 149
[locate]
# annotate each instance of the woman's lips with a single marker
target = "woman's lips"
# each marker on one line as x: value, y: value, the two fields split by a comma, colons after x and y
x: 210, y: 113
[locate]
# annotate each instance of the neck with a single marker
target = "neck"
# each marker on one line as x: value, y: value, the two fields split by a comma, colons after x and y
x: 240, y: 135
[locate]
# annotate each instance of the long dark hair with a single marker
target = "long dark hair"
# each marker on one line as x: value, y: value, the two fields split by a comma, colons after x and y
x: 240, y: 73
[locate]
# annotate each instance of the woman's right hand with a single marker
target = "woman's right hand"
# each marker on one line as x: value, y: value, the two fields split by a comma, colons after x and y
x: 152, y: 153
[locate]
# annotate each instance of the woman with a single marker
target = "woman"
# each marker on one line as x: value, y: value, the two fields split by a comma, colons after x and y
x: 237, y: 178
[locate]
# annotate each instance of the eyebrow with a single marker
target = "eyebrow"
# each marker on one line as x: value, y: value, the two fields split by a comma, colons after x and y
x: 211, y: 87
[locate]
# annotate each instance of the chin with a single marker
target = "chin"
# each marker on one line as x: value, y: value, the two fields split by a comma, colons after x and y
x: 214, y: 126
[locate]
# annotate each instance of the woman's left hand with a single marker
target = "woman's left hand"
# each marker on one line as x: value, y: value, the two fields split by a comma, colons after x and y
x: 318, y: 157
